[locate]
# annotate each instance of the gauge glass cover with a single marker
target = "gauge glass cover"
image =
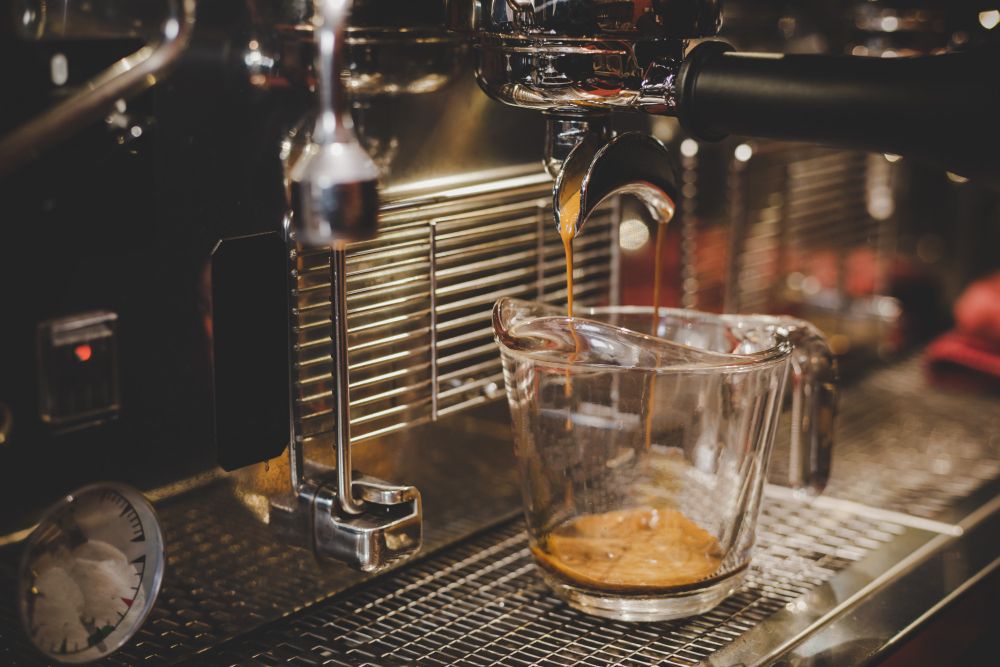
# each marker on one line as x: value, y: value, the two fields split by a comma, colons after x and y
x: 90, y: 573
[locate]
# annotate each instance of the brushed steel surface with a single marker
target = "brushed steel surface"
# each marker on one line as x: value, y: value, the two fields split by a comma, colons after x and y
x: 847, y: 621
x: 905, y: 446
x: 333, y: 180
x: 790, y: 209
x: 227, y: 572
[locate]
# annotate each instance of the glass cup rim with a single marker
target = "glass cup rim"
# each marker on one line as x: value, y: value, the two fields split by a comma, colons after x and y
x: 742, y: 363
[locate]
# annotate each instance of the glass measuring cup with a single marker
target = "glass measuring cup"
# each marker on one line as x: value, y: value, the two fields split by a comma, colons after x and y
x: 643, y: 458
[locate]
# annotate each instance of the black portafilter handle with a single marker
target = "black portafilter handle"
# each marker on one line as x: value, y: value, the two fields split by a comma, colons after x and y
x: 942, y: 109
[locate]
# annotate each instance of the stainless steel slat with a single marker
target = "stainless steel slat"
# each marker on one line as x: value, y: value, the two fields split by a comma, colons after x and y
x: 419, y: 302
x: 469, y: 387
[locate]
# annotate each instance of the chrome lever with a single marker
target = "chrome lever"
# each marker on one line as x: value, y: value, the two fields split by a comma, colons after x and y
x: 388, y: 528
x: 362, y: 521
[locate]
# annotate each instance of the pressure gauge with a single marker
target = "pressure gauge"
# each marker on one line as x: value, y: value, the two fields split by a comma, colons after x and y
x: 90, y: 573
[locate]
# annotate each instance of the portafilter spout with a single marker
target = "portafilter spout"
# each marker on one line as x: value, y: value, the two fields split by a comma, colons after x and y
x: 632, y: 163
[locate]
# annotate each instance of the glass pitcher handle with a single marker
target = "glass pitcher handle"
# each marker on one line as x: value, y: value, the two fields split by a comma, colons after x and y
x: 813, y: 380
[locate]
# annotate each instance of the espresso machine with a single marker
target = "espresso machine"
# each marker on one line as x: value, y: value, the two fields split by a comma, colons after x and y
x: 247, y: 269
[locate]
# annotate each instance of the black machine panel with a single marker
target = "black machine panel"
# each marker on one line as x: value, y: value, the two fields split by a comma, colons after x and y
x: 121, y: 219
x: 250, y: 349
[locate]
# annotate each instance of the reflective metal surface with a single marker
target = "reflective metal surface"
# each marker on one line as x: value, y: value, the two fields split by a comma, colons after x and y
x: 419, y: 295
x: 228, y: 572
x: 385, y: 527
x: 922, y: 451
x: 564, y: 132
x: 848, y: 621
x: 876, y: 574
x: 675, y: 19
x: 630, y: 164
x: 362, y: 521
x: 466, y: 218
x: 567, y: 55
x: 333, y: 180
x: 483, y: 603
x: 569, y: 74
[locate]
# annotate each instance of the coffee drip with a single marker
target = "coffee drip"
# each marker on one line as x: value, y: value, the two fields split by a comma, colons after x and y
x: 639, y: 549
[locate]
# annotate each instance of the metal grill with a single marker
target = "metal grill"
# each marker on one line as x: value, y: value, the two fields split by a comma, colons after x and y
x: 905, y: 446
x: 807, y: 214
x: 482, y: 603
x: 419, y: 301
x: 913, y: 448
x: 227, y: 573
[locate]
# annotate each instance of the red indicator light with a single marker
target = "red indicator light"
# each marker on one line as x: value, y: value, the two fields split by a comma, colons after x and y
x: 83, y: 352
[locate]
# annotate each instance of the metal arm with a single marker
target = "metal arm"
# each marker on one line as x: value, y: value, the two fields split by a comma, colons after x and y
x: 334, y: 184
x: 130, y: 75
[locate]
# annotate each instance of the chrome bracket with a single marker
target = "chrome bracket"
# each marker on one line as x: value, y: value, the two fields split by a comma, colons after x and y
x: 388, y: 529
x: 370, y: 525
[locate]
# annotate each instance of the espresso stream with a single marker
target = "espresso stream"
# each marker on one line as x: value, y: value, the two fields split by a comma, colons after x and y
x: 641, y: 549
x: 568, y: 217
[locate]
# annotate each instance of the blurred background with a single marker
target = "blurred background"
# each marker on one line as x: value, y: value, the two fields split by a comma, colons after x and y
x: 876, y: 249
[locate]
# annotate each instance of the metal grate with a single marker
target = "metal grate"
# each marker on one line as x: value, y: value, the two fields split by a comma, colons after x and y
x: 419, y: 302
x: 227, y: 572
x: 807, y: 216
x: 482, y: 603
x: 906, y: 446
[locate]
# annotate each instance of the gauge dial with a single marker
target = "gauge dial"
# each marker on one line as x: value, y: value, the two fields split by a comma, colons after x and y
x: 90, y: 573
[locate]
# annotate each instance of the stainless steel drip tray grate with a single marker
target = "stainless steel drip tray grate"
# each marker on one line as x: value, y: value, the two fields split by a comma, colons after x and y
x: 906, y: 446
x: 913, y: 463
x: 481, y: 602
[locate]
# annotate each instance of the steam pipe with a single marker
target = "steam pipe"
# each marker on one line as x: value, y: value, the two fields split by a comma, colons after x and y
x: 334, y: 194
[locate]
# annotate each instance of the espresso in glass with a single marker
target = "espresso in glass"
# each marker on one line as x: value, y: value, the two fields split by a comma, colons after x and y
x: 642, y: 456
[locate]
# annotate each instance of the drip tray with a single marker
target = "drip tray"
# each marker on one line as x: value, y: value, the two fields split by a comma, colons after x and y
x: 911, y: 518
x: 483, y: 603
x: 910, y: 521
